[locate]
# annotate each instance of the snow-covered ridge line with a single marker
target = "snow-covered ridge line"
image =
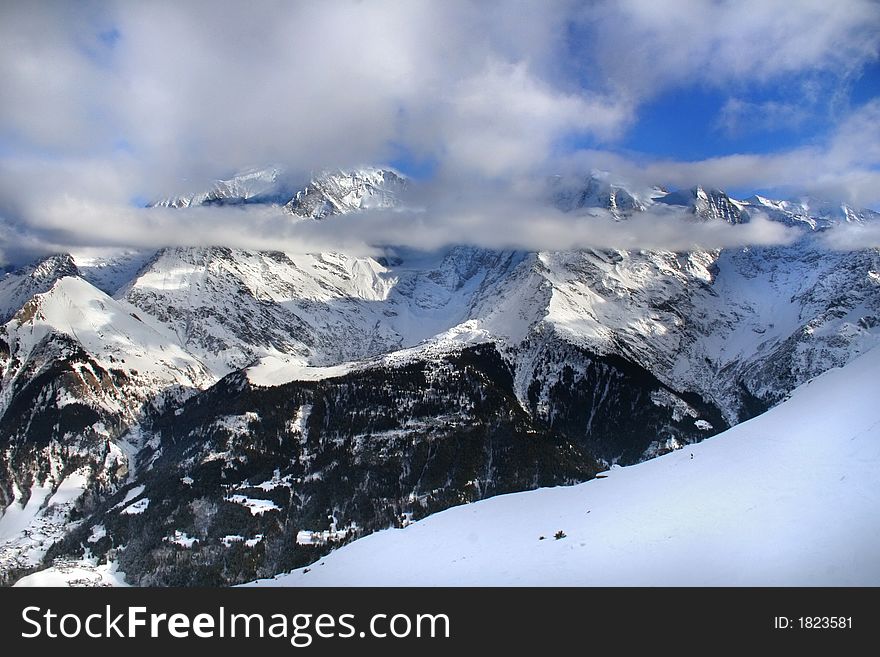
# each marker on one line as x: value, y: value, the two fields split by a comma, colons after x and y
x: 328, y: 192
x: 243, y: 186
x: 336, y: 191
x: 275, y: 371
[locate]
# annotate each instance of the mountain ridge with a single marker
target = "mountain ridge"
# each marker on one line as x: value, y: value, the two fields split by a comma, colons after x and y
x: 601, y: 356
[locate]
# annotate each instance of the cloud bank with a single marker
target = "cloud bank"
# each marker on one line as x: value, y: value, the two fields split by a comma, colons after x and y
x: 497, y: 223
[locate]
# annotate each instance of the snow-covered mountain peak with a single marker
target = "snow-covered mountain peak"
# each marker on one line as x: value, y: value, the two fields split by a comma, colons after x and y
x: 708, y: 204
x: 341, y: 191
x: 813, y: 213
x: 19, y: 286
x: 599, y: 190
x: 245, y: 186
x: 112, y: 332
x: 328, y: 192
x: 54, y: 267
x: 833, y: 212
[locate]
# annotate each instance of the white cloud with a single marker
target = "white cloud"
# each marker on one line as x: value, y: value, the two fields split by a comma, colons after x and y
x: 503, y: 120
x: 54, y: 88
x: 644, y: 45
x: 510, y: 219
x: 853, y: 237
x: 738, y: 116
x: 198, y: 89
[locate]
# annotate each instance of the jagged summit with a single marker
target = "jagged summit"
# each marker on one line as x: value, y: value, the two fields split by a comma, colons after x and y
x: 597, y: 191
x: 604, y: 191
x: 328, y: 192
x: 251, y: 185
x: 17, y: 287
x: 708, y: 204
x: 338, y: 192
x: 810, y: 212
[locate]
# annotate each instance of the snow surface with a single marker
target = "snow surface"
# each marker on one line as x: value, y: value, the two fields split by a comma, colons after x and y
x: 136, y: 508
x: 256, y: 506
x: 28, y: 531
x: 75, y: 573
x: 182, y: 539
x: 306, y: 537
x: 114, y: 334
x: 273, y: 371
x: 130, y: 495
x: 790, y: 498
x: 109, y: 270
x: 98, y: 532
x: 16, y: 517
x: 103, y: 325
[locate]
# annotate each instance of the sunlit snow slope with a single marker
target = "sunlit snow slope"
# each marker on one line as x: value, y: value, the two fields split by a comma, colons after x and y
x: 790, y: 498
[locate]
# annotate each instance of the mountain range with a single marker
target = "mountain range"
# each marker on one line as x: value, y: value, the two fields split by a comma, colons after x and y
x: 212, y: 415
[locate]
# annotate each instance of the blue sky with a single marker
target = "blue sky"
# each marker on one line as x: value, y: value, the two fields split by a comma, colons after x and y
x: 699, y: 122
x: 110, y: 101
x: 685, y: 123
x: 688, y: 122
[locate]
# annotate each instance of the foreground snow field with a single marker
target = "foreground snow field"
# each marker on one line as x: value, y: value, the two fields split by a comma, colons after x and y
x: 789, y: 498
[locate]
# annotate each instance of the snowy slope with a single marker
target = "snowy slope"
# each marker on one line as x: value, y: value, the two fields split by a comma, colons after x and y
x: 712, y: 322
x: 327, y: 193
x: 231, y: 307
x: 27, y: 531
x: 108, y: 270
x: 79, y: 572
x: 110, y: 332
x: 17, y: 288
x: 340, y: 192
x: 789, y: 498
